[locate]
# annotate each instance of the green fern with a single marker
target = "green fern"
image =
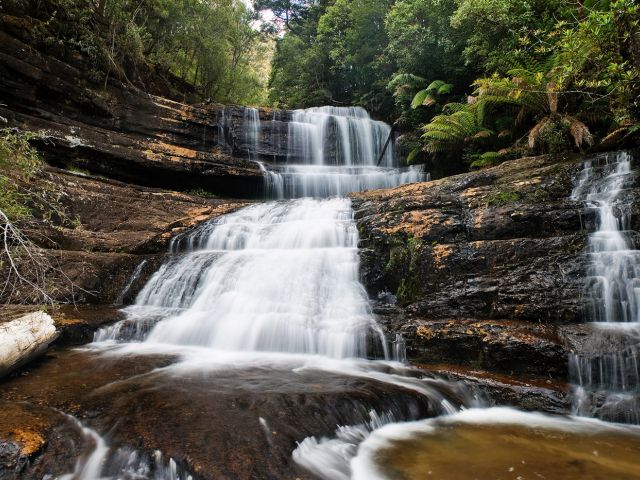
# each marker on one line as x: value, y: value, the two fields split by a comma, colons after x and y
x: 452, y: 131
x: 536, y: 94
x: 413, y: 155
x: 633, y: 129
x: 487, y: 159
x: 403, y: 82
x: 429, y: 95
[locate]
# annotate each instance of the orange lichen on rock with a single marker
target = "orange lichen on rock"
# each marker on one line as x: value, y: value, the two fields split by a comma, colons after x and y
x: 173, y: 150
x: 440, y: 253
x: 30, y: 441
x: 418, y: 223
x: 424, y: 332
x: 21, y: 425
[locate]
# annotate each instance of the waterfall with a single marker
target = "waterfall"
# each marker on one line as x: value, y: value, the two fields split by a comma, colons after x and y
x: 614, y: 268
x: 276, y: 277
x: 134, y: 276
x: 251, y: 129
x: 607, y: 376
x: 337, y: 136
x: 333, y: 151
x: 278, y: 282
x: 295, y: 181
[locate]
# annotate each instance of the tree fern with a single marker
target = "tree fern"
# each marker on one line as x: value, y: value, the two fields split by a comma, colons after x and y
x: 429, y: 95
x: 535, y: 93
x: 451, y: 131
x: 402, y: 82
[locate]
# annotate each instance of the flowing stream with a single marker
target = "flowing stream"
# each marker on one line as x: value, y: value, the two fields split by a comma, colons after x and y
x: 274, y: 288
x: 607, y: 377
x: 276, y: 284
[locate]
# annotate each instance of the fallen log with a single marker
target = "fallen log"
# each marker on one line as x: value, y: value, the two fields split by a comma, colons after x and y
x: 24, y: 339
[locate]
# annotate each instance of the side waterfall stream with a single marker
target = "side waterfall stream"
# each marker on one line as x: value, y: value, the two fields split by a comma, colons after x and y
x: 607, y: 378
x: 262, y: 348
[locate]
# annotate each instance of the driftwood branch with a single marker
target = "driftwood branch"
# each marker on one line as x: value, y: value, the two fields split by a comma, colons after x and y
x: 27, y: 274
x: 24, y: 339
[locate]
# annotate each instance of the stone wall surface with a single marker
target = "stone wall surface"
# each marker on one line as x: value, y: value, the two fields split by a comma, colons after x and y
x: 482, y: 268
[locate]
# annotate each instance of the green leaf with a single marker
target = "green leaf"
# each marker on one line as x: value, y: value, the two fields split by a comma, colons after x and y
x: 419, y: 98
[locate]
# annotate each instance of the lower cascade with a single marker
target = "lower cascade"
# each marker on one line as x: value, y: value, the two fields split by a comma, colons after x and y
x: 607, y: 377
x: 274, y: 277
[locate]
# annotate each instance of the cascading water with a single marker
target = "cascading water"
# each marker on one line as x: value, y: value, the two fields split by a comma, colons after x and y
x: 275, y: 277
x: 251, y: 130
x: 103, y: 464
x: 607, y: 377
x: 337, y: 136
x: 614, y: 269
x: 134, y: 276
x: 278, y: 282
x: 280, y: 276
x: 334, y: 151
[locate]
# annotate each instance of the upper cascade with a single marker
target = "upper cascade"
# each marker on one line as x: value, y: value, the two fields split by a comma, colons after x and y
x: 330, y: 151
x: 344, y: 136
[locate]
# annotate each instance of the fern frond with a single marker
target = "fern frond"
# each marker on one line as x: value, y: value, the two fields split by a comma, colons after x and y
x: 452, y: 131
x: 405, y: 80
x: 579, y: 132
x: 536, y: 131
x: 455, y: 107
x: 440, y: 87
x: 427, y: 96
x: 419, y: 98
x: 413, y: 154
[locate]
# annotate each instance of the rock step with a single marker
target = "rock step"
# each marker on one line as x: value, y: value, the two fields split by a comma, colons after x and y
x: 510, y: 347
x: 528, y: 392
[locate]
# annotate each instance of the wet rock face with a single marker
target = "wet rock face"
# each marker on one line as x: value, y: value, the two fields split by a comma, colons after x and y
x: 218, y: 423
x: 509, y: 347
x: 527, y: 392
x: 505, y: 247
x: 500, y: 243
x: 110, y: 229
x: 125, y: 133
x: 35, y: 440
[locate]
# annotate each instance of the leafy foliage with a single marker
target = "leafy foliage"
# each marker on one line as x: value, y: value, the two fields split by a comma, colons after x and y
x: 19, y: 162
x: 487, y: 159
x: 454, y: 130
x: 520, y: 77
x: 206, y: 44
x: 332, y: 56
x: 429, y: 96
